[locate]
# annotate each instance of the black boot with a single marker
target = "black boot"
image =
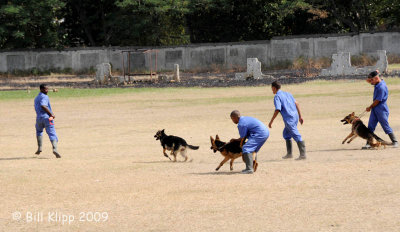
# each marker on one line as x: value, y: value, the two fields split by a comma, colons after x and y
x: 39, y: 143
x: 248, y: 158
x: 55, y: 152
x: 289, y: 150
x: 394, y: 140
x: 302, y: 149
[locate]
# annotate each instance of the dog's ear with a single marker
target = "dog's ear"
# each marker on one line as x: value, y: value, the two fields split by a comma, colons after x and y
x: 216, y: 137
x: 352, y: 114
x: 211, y: 138
x: 163, y: 130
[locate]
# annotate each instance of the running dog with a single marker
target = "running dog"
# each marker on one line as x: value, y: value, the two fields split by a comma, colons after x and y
x: 174, y: 144
x: 230, y: 151
x: 359, y: 129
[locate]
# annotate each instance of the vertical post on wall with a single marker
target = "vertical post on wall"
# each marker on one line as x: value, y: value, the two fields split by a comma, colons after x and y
x: 156, y: 62
x: 151, y: 65
x: 123, y: 65
x: 129, y: 66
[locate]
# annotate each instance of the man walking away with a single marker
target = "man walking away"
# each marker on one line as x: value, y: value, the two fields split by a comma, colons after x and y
x: 290, y: 110
x: 45, y: 120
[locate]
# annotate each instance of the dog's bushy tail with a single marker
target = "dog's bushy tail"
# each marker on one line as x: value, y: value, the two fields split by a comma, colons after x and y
x: 381, y: 140
x: 193, y: 147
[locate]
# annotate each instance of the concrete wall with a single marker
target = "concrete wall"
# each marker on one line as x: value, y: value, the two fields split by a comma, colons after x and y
x: 204, y: 56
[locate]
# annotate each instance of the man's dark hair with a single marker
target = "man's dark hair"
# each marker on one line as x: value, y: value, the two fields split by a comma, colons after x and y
x: 235, y: 113
x: 42, y: 86
x: 373, y: 74
x: 276, y: 84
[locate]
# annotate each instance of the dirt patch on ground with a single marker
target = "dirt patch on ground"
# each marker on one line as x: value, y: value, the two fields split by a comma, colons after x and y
x: 187, y: 80
x: 111, y: 163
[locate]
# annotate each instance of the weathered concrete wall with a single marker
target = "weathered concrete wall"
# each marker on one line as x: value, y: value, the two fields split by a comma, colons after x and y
x: 341, y: 65
x: 204, y: 56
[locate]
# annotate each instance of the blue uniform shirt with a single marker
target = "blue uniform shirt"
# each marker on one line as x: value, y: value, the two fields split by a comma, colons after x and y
x: 381, y: 94
x: 285, y: 103
x: 42, y: 100
x: 252, y: 128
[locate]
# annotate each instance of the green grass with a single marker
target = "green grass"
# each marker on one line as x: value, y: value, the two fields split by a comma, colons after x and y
x: 78, y: 93
x: 72, y: 93
x: 389, y: 81
x: 394, y: 67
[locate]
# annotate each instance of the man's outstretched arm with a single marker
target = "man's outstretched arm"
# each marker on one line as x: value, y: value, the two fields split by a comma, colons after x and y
x: 273, y: 118
x: 298, y: 111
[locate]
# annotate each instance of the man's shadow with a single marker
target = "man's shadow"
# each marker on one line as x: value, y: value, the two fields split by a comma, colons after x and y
x: 22, y: 158
x: 215, y: 173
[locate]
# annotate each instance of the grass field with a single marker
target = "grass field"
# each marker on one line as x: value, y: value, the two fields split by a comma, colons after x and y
x: 393, y: 67
x: 112, y: 165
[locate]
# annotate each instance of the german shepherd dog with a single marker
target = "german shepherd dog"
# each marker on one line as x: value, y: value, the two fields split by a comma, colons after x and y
x: 230, y: 151
x: 359, y: 129
x: 174, y: 144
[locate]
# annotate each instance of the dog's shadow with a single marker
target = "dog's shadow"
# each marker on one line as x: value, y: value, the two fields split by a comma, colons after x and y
x: 161, y: 162
x: 22, y: 158
x: 336, y: 149
x: 152, y: 162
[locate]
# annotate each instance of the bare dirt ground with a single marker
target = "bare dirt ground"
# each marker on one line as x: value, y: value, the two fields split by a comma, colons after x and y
x: 111, y: 163
x: 187, y: 80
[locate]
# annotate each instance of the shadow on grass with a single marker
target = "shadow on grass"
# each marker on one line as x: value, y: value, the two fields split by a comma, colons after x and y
x: 23, y: 158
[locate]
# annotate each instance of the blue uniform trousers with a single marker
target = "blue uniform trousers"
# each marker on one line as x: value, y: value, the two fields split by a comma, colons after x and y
x: 45, y: 123
x: 379, y: 114
x: 253, y: 145
x: 291, y: 131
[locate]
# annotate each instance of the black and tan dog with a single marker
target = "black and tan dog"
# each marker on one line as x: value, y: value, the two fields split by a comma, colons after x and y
x: 359, y: 129
x: 230, y: 151
x: 174, y: 144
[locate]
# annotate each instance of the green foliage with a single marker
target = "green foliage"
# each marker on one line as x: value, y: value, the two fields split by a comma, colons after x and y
x: 30, y: 24
x: 225, y: 21
x: 69, y: 23
x: 156, y: 22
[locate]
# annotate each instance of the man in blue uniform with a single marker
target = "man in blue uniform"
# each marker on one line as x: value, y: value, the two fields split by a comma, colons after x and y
x: 45, y: 120
x: 255, y: 132
x: 379, y: 109
x: 290, y: 111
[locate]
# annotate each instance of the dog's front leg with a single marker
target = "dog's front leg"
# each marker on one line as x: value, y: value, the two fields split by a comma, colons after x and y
x: 349, y: 136
x: 222, y: 163
x: 352, y: 138
x: 165, y: 154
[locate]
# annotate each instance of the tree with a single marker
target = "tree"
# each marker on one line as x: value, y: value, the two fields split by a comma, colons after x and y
x: 155, y: 22
x: 388, y: 14
x: 58, y: 23
x: 92, y: 22
x: 30, y: 24
x: 350, y: 15
x: 240, y: 20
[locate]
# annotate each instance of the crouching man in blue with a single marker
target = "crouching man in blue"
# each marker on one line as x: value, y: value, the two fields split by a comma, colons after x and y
x: 289, y: 108
x: 255, y: 132
x: 379, y: 109
x: 45, y: 120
